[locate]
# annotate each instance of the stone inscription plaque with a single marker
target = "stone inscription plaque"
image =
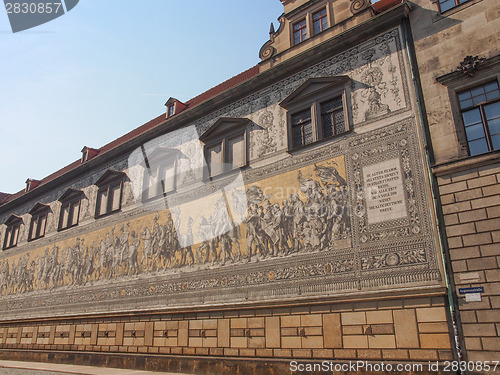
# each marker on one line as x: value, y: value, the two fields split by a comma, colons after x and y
x: 384, y: 191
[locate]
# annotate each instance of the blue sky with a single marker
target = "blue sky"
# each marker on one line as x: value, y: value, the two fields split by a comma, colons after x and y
x: 108, y: 66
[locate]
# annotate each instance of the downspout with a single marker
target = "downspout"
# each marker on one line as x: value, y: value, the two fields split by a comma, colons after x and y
x: 436, y: 201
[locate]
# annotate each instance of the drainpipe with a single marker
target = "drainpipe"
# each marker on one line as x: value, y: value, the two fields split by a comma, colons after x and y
x: 429, y: 156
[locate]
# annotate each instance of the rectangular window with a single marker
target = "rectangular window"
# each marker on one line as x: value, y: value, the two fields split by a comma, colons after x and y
x: 70, y: 212
x: 320, y: 21
x: 302, y: 129
x: 445, y: 5
x: 11, y: 236
x: 109, y: 199
x: 300, y: 31
x: 38, y: 224
x: 480, y: 109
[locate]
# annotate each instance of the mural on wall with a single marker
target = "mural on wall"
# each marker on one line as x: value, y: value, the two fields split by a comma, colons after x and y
x: 300, y: 211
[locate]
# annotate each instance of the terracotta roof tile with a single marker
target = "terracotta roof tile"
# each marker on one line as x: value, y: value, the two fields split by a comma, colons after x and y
x: 226, y: 85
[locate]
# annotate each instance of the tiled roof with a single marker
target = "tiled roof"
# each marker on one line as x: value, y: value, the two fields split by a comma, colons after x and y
x: 226, y: 85
x: 4, y: 197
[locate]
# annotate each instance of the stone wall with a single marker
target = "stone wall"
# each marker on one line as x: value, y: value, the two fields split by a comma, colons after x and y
x: 471, y: 208
x: 390, y: 330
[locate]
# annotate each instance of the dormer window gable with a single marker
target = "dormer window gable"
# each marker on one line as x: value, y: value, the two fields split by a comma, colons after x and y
x: 223, y: 126
x: 31, y: 184
x: 314, y: 87
x: 88, y: 153
x: 174, y: 107
x: 109, y: 176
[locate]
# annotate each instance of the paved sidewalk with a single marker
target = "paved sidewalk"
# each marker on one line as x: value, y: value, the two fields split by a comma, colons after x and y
x: 38, y: 368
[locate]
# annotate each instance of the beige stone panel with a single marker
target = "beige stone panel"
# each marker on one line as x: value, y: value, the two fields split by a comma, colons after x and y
x: 431, y: 314
x: 355, y: 342
x: 312, y: 342
x: 379, y: 317
x: 182, y: 338
x: 435, y: 341
x: 332, y: 331
x: 273, y: 335
x: 405, y: 327
x: 239, y: 342
x: 353, y: 318
x: 291, y: 342
x: 314, y: 320
x: 148, y: 333
x: 382, y: 341
x: 223, y: 333
x: 290, y: 321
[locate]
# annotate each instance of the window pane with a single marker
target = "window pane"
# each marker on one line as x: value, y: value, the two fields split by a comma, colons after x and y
x: 169, y: 178
x: 492, y: 111
x: 8, y: 237
x: 338, y: 117
x: 475, y: 132
x: 493, y: 95
x: 15, y: 235
x: 103, y: 202
x: 151, y: 182
x: 297, y: 136
x: 65, y: 216
x: 115, y: 196
x: 236, y: 152
x: 308, y: 133
x: 41, y: 226
x: 34, y: 224
x: 214, y: 160
x: 447, y: 4
x: 472, y: 117
x: 495, y: 142
x: 75, y: 208
x: 478, y: 147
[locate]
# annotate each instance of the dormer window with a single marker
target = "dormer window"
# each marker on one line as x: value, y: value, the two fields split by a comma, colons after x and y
x: 88, y: 153
x: 39, y: 215
x: 160, y: 173
x: 31, y: 184
x: 174, y: 107
x: 317, y: 110
x: 70, y: 209
x: 320, y: 21
x: 13, y: 224
x: 225, y: 146
x: 299, y: 31
x: 109, y: 195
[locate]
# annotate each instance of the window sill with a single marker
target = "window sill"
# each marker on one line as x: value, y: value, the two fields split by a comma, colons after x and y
x: 108, y: 213
x: 465, y: 163
x: 8, y: 248
x: 35, y: 238
x: 293, y: 150
x: 69, y: 227
x: 225, y: 174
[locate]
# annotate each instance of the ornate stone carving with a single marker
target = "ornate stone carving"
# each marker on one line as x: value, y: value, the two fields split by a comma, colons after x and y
x: 470, y: 65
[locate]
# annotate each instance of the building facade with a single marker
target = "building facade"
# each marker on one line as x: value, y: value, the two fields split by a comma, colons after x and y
x: 286, y: 214
x: 457, y: 51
